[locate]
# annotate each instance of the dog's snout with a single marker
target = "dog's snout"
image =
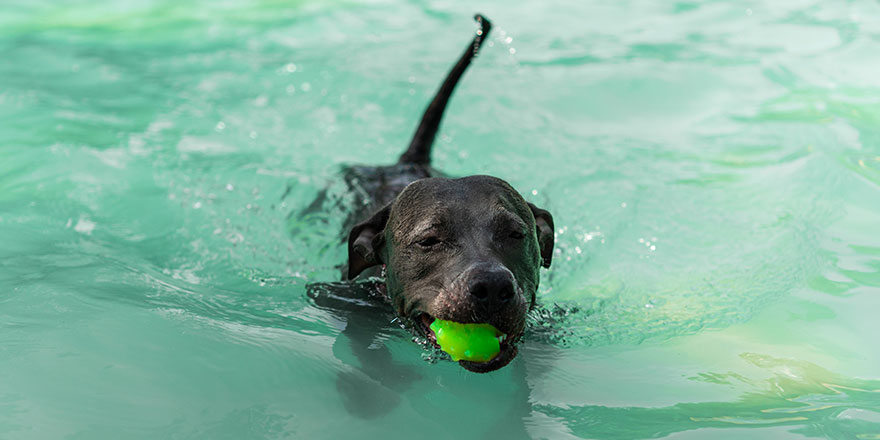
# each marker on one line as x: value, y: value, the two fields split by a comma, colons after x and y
x: 492, y: 287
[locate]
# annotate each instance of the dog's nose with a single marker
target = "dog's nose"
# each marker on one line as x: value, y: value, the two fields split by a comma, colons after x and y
x: 492, y: 287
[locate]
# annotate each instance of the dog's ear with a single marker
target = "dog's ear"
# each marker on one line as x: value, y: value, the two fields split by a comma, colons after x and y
x: 365, y: 241
x: 544, y: 225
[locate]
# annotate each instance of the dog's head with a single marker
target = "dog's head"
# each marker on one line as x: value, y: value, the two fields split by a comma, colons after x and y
x: 467, y: 250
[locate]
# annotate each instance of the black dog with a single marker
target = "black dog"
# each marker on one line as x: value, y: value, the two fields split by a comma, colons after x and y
x: 467, y: 250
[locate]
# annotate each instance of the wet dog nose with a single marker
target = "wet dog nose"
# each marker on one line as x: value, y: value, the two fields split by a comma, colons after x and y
x: 492, y: 287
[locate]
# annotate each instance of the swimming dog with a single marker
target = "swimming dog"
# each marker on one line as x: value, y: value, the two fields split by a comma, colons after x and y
x: 467, y: 250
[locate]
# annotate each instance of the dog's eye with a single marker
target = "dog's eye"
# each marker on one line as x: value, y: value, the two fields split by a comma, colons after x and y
x: 429, y: 242
x: 516, y: 235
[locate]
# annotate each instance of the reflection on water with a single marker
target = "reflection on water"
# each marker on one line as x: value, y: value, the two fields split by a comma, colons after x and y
x: 812, y: 401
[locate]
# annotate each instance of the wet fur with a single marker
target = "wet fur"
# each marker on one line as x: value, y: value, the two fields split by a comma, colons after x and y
x: 467, y: 250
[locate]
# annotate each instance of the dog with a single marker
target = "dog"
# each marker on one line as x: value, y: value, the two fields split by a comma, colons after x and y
x: 467, y: 250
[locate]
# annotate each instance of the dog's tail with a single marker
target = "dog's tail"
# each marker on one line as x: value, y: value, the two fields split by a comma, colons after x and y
x: 419, y: 151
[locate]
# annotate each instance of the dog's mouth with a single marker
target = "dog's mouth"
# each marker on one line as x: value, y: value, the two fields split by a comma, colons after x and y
x: 507, y: 352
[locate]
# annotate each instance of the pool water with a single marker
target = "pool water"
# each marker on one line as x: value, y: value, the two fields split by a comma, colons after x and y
x: 713, y: 169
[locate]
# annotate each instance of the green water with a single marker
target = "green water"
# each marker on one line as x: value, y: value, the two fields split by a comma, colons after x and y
x: 713, y: 169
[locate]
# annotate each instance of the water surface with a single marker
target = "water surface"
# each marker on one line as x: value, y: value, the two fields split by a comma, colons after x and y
x: 713, y: 169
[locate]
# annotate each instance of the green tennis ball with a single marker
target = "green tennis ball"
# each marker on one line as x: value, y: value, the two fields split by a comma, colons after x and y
x: 469, y: 342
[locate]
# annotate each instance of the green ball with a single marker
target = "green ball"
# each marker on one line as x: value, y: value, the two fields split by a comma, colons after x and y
x: 469, y: 342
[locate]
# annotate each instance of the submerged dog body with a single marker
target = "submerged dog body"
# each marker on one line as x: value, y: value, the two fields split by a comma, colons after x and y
x: 467, y: 250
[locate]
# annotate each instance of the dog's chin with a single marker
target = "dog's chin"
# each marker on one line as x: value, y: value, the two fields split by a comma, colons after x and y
x: 508, y: 347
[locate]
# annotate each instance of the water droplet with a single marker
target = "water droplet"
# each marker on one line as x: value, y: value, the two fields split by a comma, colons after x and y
x: 512, y: 51
x: 290, y: 67
x: 220, y: 126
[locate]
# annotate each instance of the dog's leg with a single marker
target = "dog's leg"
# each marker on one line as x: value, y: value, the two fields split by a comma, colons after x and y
x: 370, y: 386
x: 419, y: 151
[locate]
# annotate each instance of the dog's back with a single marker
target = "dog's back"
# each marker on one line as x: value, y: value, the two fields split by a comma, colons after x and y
x: 376, y: 186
